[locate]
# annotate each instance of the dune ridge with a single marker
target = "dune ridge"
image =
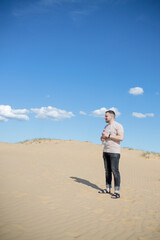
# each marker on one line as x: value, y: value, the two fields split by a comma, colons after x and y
x: 49, y: 190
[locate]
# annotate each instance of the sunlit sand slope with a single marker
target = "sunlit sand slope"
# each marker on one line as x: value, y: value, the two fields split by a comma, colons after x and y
x: 49, y: 191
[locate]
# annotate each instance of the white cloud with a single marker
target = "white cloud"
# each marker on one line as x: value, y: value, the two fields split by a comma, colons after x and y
x: 136, y: 91
x: 3, y: 119
x: 142, y: 115
x: 149, y: 114
x: 6, y: 113
x: 101, y: 112
x: 52, y: 113
x: 82, y: 113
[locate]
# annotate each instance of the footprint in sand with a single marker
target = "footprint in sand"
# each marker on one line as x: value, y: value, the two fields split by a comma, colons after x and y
x: 74, y: 234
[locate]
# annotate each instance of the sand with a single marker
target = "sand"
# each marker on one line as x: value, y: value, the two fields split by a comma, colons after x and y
x: 49, y: 191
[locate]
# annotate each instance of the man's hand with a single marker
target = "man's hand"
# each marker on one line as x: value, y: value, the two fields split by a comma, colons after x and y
x: 105, y: 135
x: 102, y: 139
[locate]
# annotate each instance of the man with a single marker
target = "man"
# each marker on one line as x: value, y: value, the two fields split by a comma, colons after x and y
x: 112, y: 136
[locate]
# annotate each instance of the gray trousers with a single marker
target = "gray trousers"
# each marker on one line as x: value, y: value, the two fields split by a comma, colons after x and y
x: 111, y: 165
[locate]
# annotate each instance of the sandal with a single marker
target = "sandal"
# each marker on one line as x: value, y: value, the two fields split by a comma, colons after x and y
x: 115, y: 196
x: 103, y: 191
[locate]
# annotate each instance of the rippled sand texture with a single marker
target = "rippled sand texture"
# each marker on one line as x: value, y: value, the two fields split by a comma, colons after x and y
x: 49, y: 191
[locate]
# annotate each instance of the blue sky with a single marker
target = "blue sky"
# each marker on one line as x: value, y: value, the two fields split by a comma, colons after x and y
x: 64, y: 62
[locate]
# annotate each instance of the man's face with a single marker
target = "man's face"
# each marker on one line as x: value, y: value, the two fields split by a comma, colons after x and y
x: 108, y: 117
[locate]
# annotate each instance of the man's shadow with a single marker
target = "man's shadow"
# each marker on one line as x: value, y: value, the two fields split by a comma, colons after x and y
x: 85, y: 182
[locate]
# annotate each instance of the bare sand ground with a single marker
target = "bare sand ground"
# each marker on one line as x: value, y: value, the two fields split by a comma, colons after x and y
x: 49, y: 191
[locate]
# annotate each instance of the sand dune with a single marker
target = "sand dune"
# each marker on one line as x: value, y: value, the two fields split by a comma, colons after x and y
x: 49, y: 191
